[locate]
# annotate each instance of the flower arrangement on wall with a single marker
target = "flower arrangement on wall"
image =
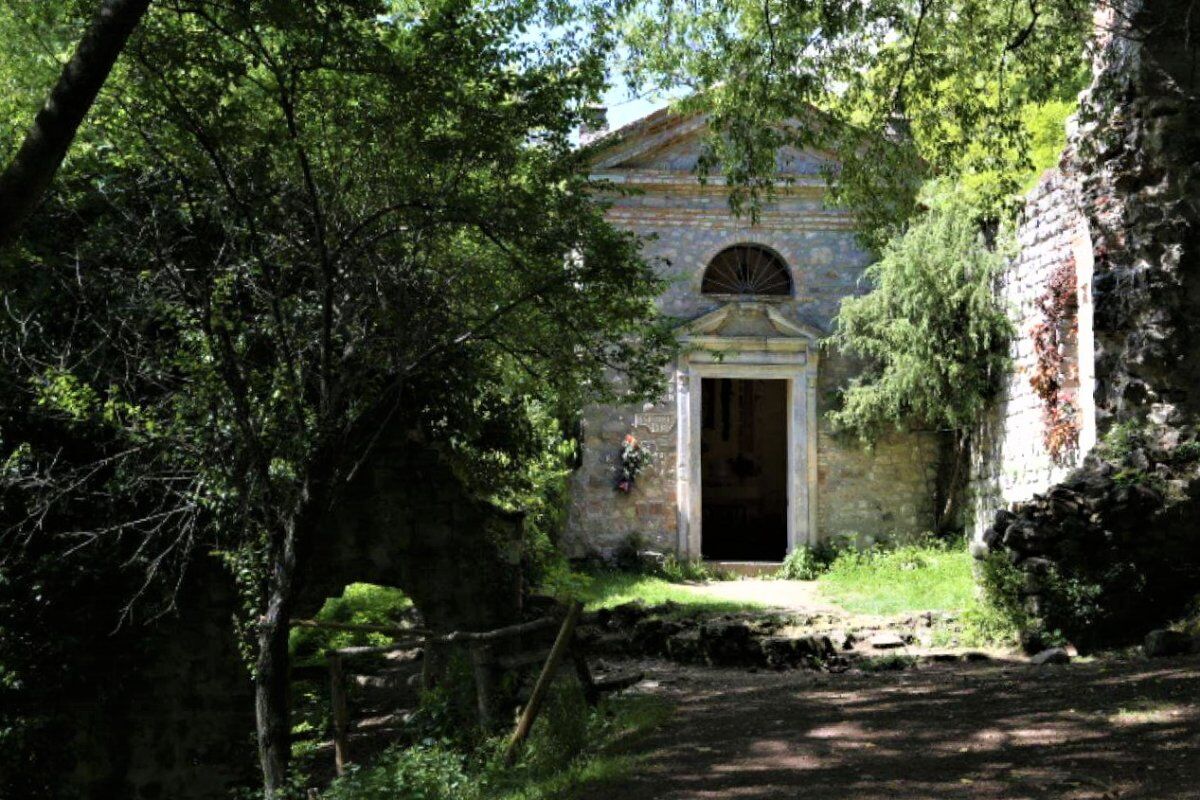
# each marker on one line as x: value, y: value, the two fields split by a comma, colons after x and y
x: 633, y: 460
x: 1054, y: 340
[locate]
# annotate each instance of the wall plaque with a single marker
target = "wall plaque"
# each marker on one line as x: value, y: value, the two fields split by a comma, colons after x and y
x: 656, y: 423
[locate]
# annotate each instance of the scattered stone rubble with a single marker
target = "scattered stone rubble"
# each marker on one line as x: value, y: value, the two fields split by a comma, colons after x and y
x: 753, y: 640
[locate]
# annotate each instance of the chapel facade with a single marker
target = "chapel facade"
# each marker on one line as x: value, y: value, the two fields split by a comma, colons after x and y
x: 743, y: 464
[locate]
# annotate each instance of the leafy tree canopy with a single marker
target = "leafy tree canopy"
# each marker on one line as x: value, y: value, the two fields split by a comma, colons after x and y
x: 284, y: 227
x: 904, y: 89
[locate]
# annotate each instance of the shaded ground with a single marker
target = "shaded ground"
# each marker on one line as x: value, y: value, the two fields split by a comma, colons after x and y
x: 1005, y: 731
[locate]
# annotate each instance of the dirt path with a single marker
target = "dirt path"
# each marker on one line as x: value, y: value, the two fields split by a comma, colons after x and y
x: 1085, y: 731
x: 801, y: 596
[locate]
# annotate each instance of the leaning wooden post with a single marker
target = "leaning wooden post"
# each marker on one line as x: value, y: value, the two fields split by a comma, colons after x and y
x: 565, y: 634
x: 341, y: 716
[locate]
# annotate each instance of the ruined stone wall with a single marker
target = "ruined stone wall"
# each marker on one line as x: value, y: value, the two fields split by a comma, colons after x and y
x: 1122, y: 527
x: 407, y: 521
x: 1138, y: 165
x: 171, y: 713
x: 872, y: 492
x: 1010, y: 461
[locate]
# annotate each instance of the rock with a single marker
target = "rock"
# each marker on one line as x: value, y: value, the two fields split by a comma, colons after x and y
x: 979, y: 548
x: 609, y: 644
x: 886, y: 641
x: 684, y: 647
x: 780, y: 652
x: 1166, y: 643
x: 1052, y: 655
x: 628, y: 614
x: 1033, y: 639
x: 727, y: 644
x: 650, y: 635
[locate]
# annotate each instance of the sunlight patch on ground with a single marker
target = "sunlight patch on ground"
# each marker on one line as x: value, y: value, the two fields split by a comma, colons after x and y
x: 1151, y: 713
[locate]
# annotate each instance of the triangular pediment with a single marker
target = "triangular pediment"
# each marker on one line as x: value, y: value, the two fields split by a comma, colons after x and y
x: 747, y: 320
x: 672, y: 142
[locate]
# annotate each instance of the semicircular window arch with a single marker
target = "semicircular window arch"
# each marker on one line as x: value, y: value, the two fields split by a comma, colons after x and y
x: 748, y: 270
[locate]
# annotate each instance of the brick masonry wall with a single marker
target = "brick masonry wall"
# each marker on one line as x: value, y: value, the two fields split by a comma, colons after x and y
x: 1010, y: 462
x: 869, y: 492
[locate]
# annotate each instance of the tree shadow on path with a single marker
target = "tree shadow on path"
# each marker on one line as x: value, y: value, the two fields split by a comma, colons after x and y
x: 1100, y: 730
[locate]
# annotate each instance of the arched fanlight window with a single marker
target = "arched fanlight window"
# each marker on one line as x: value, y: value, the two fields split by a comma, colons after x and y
x: 748, y: 270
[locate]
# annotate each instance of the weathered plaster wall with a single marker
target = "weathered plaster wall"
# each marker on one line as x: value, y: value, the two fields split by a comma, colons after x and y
x: 1010, y: 461
x: 875, y: 492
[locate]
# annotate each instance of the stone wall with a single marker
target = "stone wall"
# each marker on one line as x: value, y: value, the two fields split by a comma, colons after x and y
x: 1138, y: 165
x: 407, y: 521
x: 1010, y: 461
x: 1120, y: 531
x: 871, y: 492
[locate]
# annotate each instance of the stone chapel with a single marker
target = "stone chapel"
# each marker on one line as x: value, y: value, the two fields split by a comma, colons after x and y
x: 744, y: 466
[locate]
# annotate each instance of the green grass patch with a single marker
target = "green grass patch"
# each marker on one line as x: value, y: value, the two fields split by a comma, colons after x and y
x: 612, y: 588
x: 912, y: 578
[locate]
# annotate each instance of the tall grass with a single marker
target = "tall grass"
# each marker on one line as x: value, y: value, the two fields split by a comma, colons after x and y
x: 911, y: 578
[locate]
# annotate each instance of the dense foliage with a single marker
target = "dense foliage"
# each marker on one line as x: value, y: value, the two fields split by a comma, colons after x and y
x: 286, y: 227
x: 899, y: 90
x: 932, y: 330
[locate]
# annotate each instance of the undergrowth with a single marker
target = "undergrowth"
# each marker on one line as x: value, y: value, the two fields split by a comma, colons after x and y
x: 569, y: 746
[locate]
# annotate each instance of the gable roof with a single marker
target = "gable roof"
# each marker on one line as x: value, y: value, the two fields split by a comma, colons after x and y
x: 668, y: 141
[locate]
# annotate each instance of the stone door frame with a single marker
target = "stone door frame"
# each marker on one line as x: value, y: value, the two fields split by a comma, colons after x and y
x: 787, y: 352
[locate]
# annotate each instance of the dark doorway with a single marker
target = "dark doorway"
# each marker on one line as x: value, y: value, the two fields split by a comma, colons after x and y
x: 743, y: 469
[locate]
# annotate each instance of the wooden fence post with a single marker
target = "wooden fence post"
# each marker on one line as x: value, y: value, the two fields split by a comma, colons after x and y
x: 341, y: 714
x: 484, y: 667
x: 565, y: 634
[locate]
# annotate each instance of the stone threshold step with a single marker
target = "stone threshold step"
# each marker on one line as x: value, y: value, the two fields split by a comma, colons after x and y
x: 750, y: 569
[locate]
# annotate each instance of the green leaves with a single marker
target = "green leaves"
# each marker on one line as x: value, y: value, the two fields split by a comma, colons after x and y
x: 959, y: 72
x: 931, y: 330
x: 291, y: 224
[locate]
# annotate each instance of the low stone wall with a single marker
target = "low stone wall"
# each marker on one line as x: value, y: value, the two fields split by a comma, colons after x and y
x: 1010, y: 461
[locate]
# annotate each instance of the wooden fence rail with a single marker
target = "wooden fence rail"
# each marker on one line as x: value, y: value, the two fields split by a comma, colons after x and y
x: 485, y: 663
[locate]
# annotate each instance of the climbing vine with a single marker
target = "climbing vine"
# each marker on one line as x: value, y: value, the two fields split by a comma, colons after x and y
x: 1052, y: 375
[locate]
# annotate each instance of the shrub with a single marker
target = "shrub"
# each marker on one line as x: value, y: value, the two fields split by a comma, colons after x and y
x: 931, y: 329
x: 806, y: 563
x: 426, y: 772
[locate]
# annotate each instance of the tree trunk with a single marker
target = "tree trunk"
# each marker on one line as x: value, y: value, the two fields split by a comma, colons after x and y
x: 27, y: 177
x: 271, y: 674
x: 952, y: 478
